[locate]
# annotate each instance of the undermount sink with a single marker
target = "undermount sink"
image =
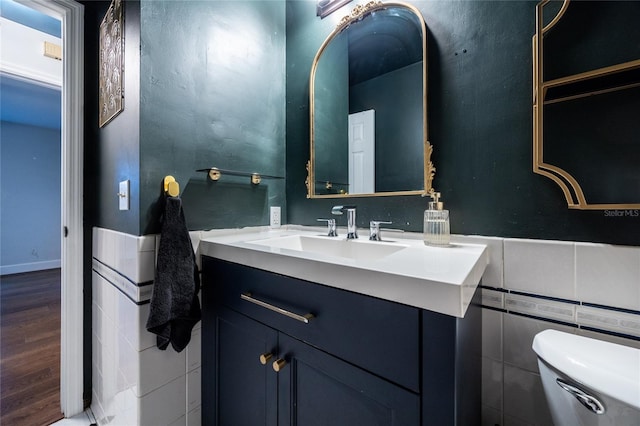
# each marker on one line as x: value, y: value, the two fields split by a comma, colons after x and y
x: 332, y: 246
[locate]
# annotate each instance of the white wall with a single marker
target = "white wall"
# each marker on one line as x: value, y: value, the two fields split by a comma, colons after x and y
x: 135, y: 383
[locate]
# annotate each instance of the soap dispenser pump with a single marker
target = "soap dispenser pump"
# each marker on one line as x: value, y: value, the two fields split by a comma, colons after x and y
x: 436, y: 222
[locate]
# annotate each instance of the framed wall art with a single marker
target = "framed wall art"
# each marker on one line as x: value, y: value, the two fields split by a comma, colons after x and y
x: 111, y: 96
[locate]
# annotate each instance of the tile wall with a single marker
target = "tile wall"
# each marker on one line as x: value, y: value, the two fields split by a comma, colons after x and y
x: 532, y: 285
x: 134, y: 383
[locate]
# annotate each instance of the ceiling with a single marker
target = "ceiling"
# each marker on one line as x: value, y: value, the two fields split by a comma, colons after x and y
x: 384, y: 41
x: 22, y: 100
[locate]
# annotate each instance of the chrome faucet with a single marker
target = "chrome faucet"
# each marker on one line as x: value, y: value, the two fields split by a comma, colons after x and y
x: 331, y: 227
x: 352, y: 232
x: 375, y: 232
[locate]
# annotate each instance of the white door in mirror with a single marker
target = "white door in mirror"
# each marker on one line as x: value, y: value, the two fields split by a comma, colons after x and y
x: 362, y: 156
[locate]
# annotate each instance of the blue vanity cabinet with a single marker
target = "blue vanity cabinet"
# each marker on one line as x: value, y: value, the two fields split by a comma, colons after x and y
x: 238, y: 388
x: 358, y: 360
x: 452, y: 367
x: 317, y: 389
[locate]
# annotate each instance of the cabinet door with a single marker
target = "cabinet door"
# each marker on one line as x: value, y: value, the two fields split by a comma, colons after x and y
x: 317, y: 389
x: 238, y: 389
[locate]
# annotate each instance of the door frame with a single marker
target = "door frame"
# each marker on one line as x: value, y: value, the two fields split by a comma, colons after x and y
x: 71, y: 15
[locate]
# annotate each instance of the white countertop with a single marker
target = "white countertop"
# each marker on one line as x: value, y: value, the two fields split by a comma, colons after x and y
x: 439, y: 279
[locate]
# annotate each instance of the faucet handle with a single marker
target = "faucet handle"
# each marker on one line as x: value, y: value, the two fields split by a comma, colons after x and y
x: 338, y: 210
x: 374, y: 229
x: 377, y: 223
x: 331, y: 227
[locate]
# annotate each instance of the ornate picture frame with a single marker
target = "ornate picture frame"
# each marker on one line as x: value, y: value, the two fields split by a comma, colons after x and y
x: 111, y: 62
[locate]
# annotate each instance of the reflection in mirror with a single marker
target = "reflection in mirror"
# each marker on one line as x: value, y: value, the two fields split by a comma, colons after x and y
x: 368, y: 106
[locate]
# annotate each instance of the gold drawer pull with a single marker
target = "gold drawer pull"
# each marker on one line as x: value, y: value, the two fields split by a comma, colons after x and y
x: 264, y: 358
x: 279, y: 364
x: 302, y: 318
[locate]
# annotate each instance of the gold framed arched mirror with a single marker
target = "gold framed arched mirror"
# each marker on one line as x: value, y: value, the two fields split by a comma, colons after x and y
x: 368, y: 106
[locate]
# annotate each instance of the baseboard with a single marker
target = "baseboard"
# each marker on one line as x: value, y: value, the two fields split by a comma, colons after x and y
x: 30, y: 267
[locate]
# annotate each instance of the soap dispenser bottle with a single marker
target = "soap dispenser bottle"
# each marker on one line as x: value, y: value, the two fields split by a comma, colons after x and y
x: 436, y: 222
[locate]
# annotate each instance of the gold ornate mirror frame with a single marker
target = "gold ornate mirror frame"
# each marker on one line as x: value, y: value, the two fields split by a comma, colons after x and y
x: 570, y: 187
x: 358, y: 13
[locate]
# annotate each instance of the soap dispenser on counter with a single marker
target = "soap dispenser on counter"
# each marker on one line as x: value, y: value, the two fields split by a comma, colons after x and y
x: 436, y: 222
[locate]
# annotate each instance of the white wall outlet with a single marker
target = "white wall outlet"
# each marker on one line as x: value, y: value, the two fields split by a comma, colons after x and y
x: 123, y: 195
x: 274, y: 217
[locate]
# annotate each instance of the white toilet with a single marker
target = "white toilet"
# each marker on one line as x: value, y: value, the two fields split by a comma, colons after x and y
x: 588, y: 381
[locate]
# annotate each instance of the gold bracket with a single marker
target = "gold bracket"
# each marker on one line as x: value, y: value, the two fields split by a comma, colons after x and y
x: 214, y: 174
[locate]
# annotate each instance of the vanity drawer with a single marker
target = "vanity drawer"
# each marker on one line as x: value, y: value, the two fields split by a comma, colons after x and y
x: 377, y: 335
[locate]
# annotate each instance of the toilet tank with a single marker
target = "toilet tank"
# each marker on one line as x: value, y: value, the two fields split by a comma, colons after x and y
x: 579, y: 372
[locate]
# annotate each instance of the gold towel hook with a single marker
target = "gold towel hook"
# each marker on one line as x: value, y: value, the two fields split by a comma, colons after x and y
x: 171, y: 187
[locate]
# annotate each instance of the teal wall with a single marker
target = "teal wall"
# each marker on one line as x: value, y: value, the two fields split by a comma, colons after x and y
x: 193, y: 99
x: 480, y: 124
x: 204, y: 87
x: 212, y: 95
x: 112, y: 153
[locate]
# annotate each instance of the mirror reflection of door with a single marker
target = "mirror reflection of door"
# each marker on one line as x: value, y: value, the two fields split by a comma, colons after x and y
x: 362, y: 155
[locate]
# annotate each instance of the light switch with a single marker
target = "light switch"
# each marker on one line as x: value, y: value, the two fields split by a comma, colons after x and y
x: 123, y: 195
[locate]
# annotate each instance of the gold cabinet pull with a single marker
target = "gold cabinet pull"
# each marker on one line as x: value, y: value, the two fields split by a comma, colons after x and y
x: 264, y: 358
x: 302, y: 318
x: 279, y: 364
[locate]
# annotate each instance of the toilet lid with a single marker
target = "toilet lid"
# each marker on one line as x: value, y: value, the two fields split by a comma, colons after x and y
x: 608, y: 368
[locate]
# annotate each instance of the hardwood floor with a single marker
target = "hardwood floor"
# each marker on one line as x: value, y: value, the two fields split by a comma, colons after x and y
x: 30, y: 348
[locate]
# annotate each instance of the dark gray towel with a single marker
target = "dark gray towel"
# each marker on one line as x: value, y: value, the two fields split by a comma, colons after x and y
x: 175, y: 307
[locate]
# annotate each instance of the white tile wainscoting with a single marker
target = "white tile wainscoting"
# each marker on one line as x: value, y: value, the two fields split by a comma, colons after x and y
x: 532, y: 285
x: 529, y: 286
x: 134, y: 383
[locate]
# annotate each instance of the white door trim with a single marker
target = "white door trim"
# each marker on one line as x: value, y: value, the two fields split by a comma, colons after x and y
x: 71, y: 14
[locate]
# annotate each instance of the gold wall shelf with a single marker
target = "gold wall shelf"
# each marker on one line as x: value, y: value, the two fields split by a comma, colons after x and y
x: 584, y: 85
x: 215, y: 174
